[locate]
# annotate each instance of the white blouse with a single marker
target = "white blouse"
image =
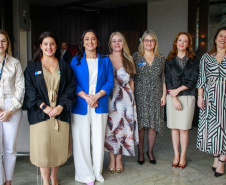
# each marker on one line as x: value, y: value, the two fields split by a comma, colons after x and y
x: 12, y: 84
x: 93, y: 70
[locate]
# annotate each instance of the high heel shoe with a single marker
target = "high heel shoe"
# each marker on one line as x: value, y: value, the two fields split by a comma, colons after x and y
x: 119, y: 170
x: 175, y: 165
x: 214, y: 168
x: 112, y: 170
x: 90, y: 183
x: 217, y: 174
x: 140, y: 162
x: 151, y: 161
x: 182, y: 166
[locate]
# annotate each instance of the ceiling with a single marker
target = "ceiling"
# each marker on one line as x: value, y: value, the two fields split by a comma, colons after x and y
x: 88, y: 3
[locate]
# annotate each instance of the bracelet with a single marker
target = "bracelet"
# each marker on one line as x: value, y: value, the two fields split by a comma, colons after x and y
x: 43, y: 107
x: 200, y: 95
x: 101, y: 93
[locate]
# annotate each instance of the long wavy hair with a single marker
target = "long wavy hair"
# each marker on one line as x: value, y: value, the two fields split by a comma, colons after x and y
x: 8, y: 50
x: 127, y: 62
x: 214, y: 49
x: 189, y: 50
x: 141, y: 45
x: 38, y: 53
x: 81, y: 48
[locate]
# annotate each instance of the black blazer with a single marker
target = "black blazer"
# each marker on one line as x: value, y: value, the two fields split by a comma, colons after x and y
x: 177, y: 77
x: 67, y: 56
x: 36, y: 92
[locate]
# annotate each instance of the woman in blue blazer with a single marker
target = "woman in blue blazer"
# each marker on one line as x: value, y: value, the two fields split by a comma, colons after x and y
x: 94, y: 82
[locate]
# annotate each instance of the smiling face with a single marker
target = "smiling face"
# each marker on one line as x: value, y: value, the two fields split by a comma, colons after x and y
x: 3, y: 44
x: 116, y: 43
x: 90, y: 41
x: 48, y: 47
x: 149, y: 43
x: 182, y: 42
x: 221, y: 40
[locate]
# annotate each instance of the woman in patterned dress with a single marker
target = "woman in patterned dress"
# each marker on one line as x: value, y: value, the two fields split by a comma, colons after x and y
x: 181, y: 77
x: 212, y: 102
x: 122, y: 132
x: 150, y: 92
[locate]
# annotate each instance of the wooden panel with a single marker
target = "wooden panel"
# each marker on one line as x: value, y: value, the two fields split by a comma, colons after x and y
x: 69, y: 24
x: 203, y: 26
x: 132, y: 38
x: 192, y: 19
x: 6, y: 7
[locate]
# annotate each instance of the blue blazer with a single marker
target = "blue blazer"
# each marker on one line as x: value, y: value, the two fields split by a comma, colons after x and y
x: 105, y: 81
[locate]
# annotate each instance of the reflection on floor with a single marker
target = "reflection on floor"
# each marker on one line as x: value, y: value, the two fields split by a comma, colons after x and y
x: 197, y: 172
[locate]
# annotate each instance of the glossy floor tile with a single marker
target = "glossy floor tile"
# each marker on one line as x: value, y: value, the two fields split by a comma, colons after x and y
x: 197, y: 172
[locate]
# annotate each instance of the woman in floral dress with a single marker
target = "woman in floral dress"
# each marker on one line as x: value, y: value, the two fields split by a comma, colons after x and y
x: 122, y: 131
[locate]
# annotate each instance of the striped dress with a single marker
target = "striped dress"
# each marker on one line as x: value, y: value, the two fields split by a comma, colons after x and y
x: 212, y: 119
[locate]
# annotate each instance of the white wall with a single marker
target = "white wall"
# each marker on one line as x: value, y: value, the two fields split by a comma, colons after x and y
x: 166, y: 18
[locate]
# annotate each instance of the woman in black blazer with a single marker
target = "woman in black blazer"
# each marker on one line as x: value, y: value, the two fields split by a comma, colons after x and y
x: 181, y: 74
x: 49, y: 96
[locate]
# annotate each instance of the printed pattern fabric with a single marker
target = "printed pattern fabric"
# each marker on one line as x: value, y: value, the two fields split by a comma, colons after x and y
x: 212, y: 119
x: 122, y: 130
x: 148, y: 92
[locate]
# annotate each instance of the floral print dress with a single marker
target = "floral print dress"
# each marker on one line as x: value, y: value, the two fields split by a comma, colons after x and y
x: 122, y: 130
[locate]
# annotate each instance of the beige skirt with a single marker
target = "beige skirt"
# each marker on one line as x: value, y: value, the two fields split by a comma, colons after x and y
x: 49, y: 147
x: 180, y: 119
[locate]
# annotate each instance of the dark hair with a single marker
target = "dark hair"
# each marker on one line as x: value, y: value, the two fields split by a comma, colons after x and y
x: 38, y: 54
x: 189, y: 51
x: 64, y: 41
x: 81, y: 48
x: 214, y: 49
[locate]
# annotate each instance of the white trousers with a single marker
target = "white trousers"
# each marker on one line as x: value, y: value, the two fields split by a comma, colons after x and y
x: 8, y: 140
x: 88, y: 132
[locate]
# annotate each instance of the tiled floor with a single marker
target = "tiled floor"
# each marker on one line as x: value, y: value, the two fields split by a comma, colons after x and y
x: 197, y: 172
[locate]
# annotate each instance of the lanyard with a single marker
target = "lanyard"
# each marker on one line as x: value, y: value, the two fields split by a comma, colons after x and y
x: 2, y: 67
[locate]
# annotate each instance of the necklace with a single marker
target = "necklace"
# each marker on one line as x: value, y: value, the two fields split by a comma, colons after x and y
x: 91, y: 57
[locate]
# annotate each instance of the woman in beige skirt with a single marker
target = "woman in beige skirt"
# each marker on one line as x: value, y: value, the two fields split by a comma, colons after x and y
x: 49, y: 96
x: 181, y: 75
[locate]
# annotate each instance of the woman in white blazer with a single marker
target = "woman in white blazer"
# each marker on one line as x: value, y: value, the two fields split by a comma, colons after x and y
x: 11, y: 100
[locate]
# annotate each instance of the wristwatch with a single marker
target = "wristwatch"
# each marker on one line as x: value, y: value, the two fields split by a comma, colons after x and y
x: 43, y: 107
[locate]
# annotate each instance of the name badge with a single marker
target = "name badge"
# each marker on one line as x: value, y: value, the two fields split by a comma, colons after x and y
x: 38, y: 73
x: 141, y: 64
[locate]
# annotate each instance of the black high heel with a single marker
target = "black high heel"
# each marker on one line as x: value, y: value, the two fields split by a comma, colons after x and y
x: 217, y: 174
x: 151, y: 161
x: 140, y: 162
x: 214, y: 168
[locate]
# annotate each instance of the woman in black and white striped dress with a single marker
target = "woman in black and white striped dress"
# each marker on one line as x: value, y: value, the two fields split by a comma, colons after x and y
x: 212, y: 102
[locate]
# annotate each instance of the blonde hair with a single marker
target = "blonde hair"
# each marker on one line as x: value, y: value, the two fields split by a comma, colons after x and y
x: 8, y: 50
x: 128, y: 63
x: 141, y: 46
